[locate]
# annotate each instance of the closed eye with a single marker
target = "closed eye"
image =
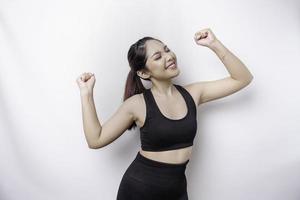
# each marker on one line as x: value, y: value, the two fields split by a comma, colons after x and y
x: 167, y: 50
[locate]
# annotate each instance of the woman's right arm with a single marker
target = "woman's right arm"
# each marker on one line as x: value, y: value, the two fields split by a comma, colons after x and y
x: 97, y: 135
x: 91, y: 124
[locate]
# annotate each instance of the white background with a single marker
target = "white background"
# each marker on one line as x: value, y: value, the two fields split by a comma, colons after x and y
x: 247, y: 144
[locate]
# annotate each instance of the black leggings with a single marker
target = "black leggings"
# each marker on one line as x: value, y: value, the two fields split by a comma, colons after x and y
x: 147, y: 179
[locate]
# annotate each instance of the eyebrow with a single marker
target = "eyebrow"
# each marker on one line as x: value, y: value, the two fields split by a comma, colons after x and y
x: 158, y: 51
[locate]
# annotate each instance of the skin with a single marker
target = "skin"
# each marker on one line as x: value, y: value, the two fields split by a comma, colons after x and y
x: 165, y: 94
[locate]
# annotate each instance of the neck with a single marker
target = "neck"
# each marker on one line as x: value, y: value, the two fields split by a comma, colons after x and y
x: 161, y: 88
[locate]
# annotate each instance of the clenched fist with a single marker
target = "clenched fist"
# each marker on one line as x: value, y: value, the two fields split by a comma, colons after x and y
x: 86, y: 82
x: 205, y: 37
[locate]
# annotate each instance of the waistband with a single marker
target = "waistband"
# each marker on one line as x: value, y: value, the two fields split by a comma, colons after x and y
x: 155, y: 163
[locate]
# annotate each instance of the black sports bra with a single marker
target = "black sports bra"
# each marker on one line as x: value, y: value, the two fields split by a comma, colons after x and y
x: 160, y: 133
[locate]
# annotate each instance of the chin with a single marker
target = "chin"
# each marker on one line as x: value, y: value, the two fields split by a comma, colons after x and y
x: 176, y: 72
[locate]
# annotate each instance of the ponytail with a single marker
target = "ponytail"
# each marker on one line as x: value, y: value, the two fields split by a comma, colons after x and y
x: 137, y: 61
x: 133, y: 85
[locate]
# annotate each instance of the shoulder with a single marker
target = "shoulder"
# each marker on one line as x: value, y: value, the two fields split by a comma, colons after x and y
x: 192, y: 91
x: 134, y: 103
x: 133, y: 100
x: 190, y: 87
x: 136, y: 98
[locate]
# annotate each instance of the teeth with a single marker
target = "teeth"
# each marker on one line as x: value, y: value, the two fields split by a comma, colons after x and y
x: 171, y: 64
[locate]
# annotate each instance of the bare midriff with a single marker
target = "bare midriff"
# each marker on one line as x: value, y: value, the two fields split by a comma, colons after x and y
x: 176, y: 156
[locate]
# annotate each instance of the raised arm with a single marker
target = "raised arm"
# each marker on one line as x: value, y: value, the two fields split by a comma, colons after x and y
x: 96, y: 134
x: 239, y: 77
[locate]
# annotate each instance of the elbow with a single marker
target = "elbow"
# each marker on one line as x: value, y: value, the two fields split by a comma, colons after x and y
x: 251, y: 77
x: 94, y: 145
x: 248, y: 80
x: 245, y: 80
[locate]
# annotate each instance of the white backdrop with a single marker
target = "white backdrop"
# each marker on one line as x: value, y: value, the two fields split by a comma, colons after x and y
x: 247, y: 144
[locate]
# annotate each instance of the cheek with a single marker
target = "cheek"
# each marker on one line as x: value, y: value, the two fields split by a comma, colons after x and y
x: 158, y: 69
x: 157, y: 65
x: 161, y: 66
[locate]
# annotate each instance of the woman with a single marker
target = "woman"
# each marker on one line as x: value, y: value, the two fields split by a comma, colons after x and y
x: 165, y: 113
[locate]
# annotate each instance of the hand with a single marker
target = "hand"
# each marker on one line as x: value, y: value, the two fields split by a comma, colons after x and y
x: 205, y: 37
x: 86, y: 82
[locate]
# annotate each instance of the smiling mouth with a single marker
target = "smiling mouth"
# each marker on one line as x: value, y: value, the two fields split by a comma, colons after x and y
x: 171, y: 64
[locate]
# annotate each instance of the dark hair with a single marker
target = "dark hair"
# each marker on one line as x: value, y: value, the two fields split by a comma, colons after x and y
x: 137, y: 60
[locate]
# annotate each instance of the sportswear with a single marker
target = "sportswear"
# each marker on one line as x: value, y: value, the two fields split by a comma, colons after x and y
x: 160, y: 133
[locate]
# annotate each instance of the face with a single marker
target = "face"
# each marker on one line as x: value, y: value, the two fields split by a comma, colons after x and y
x: 159, y: 61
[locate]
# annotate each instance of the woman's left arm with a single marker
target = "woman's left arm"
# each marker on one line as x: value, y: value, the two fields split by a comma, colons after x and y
x: 239, y: 74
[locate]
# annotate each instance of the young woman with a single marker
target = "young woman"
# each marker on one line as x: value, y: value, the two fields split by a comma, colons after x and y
x: 166, y: 114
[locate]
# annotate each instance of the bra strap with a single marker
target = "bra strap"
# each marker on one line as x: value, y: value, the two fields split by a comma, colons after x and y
x: 188, y: 97
x: 150, y: 105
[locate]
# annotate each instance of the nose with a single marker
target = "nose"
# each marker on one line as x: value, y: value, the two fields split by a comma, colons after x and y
x: 170, y: 58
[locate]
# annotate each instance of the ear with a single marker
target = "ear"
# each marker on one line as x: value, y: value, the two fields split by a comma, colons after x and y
x: 143, y: 73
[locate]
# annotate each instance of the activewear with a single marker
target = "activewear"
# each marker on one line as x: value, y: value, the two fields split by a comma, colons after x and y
x: 160, y: 133
x: 147, y: 179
